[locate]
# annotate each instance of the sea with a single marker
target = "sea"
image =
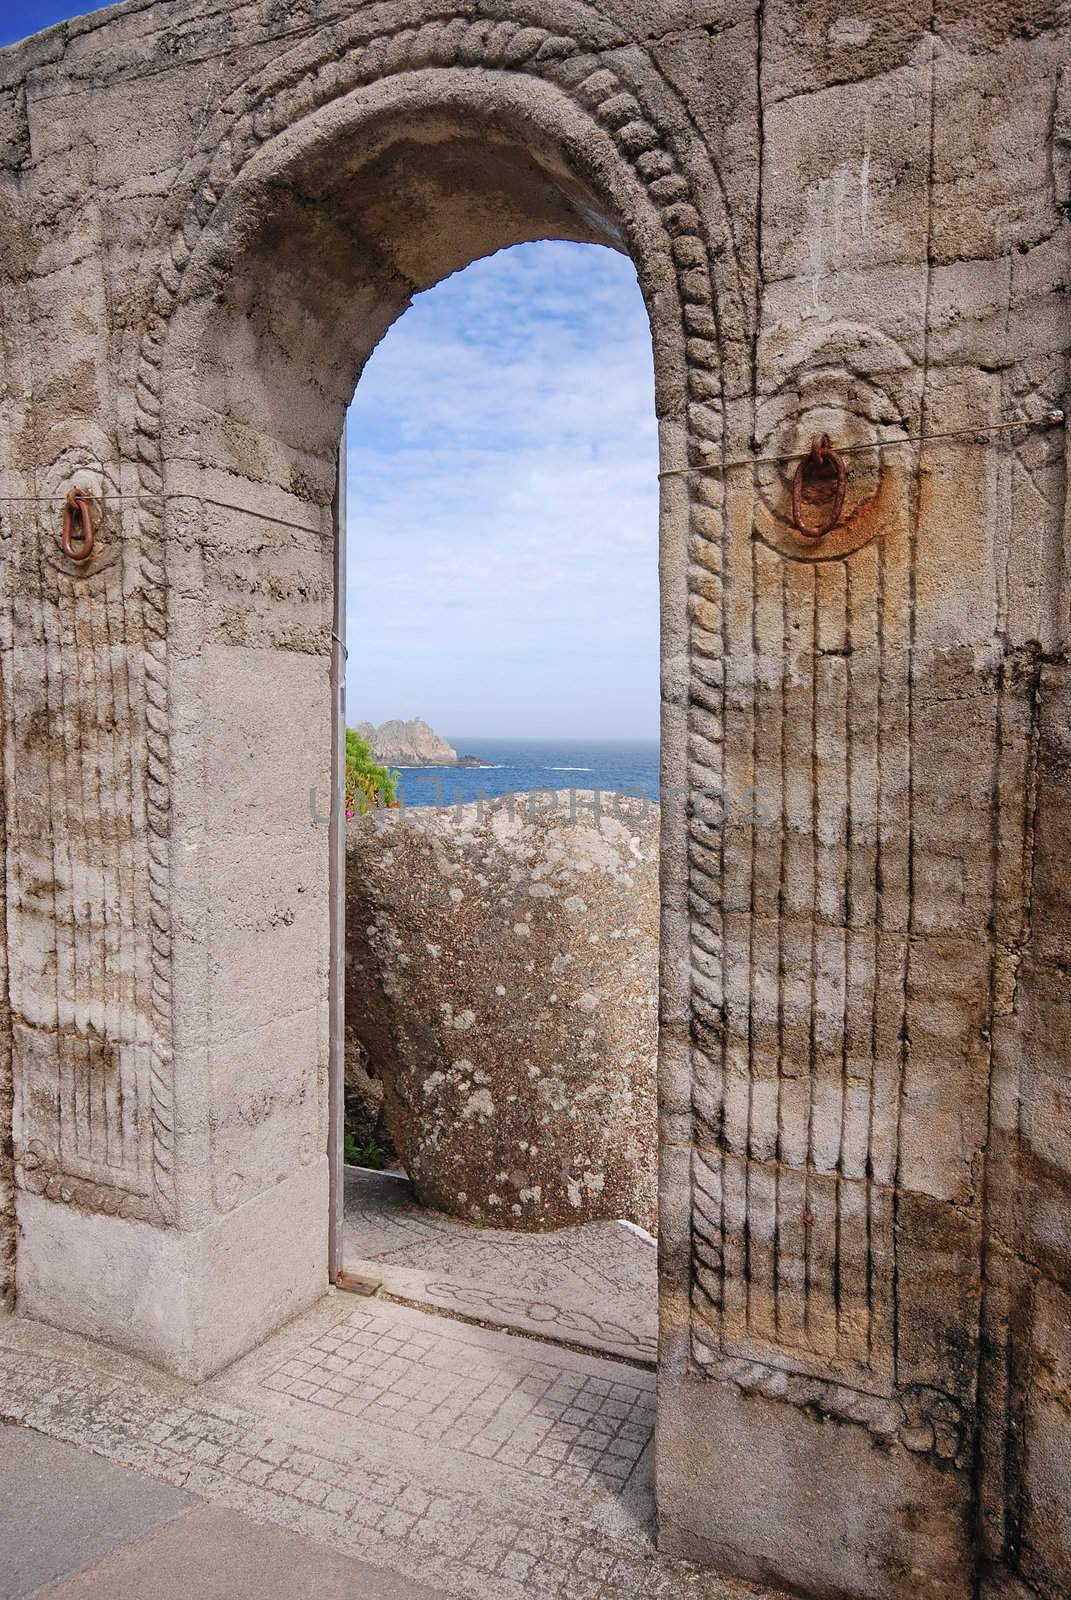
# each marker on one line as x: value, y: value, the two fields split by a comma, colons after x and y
x: 627, y: 767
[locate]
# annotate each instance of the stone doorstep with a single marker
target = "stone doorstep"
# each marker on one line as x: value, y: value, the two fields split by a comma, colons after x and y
x: 475, y: 1528
x: 366, y: 1284
x: 561, y: 1320
x: 585, y: 1286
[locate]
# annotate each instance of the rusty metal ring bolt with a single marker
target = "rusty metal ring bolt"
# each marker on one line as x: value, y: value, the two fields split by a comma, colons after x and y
x: 818, y: 486
x: 78, y: 537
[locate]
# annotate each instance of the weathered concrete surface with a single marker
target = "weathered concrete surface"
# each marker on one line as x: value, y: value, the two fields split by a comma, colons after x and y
x: 850, y: 222
x: 502, y: 973
x: 179, y: 1288
x: 7, y: 1106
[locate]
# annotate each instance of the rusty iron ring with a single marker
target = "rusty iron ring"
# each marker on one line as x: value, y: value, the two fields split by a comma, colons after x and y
x: 78, y: 545
x: 822, y: 469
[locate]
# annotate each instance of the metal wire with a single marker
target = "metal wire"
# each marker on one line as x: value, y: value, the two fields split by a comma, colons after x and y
x: 155, y: 494
x: 1049, y: 419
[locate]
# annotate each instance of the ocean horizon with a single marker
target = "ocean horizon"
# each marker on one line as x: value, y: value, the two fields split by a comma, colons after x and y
x: 521, y: 766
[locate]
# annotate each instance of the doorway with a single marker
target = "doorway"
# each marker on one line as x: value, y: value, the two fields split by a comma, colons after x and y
x: 499, y: 1113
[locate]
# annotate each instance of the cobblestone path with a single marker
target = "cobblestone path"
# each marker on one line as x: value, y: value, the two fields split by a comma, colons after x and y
x: 489, y: 1465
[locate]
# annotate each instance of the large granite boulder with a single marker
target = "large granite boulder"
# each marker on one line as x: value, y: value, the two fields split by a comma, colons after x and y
x: 502, y: 973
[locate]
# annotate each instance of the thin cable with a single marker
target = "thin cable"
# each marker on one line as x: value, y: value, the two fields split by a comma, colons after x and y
x: 156, y: 494
x: 58, y: 499
x: 1051, y: 419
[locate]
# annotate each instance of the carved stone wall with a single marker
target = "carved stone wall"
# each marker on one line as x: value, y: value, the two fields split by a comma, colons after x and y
x: 91, y: 1123
x: 843, y: 224
x: 7, y: 1095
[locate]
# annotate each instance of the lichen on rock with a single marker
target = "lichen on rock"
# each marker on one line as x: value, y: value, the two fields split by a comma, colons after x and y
x: 502, y: 973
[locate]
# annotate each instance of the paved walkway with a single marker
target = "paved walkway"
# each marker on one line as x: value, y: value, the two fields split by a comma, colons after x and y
x: 422, y: 1451
x: 78, y: 1527
x: 593, y: 1286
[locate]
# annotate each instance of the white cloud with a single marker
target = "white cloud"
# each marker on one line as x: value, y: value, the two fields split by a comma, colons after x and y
x: 502, y: 507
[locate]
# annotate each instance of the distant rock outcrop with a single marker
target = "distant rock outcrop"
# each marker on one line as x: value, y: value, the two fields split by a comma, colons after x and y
x: 407, y: 744
x: 502, y: 974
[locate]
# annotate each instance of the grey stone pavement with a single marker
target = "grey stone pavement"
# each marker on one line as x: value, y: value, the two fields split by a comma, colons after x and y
x: 593, y: 1286
x: 77, y: 1527
x: 367, y: 1449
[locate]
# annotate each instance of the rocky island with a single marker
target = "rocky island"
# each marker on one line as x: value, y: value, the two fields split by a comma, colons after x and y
x: 397, y: 743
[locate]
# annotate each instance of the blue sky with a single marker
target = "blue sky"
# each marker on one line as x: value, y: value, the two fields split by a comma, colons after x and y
x: 502, y: 496
x: 502, y: 488
x: 20, y: 17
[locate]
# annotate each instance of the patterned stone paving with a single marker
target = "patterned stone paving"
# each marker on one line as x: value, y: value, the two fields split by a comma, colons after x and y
x: 593, y: 1285
x: 420, y: 1378
x: 493, y: 1475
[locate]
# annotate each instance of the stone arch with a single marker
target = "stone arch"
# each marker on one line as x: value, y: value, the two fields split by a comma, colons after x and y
x: 592, y: 138
x: 894, y: 1269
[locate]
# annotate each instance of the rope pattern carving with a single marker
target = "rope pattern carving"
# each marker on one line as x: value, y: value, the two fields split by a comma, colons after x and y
x: 158, y: 774
x: 287, y: 93
x: 924, y: 1419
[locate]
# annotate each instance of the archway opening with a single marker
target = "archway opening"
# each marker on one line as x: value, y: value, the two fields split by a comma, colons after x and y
x: 308, y: 260
x: 501, y: 947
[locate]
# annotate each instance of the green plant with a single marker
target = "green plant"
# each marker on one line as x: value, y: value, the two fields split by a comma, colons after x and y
x: 363, y: 1155
x: 368, y: 785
